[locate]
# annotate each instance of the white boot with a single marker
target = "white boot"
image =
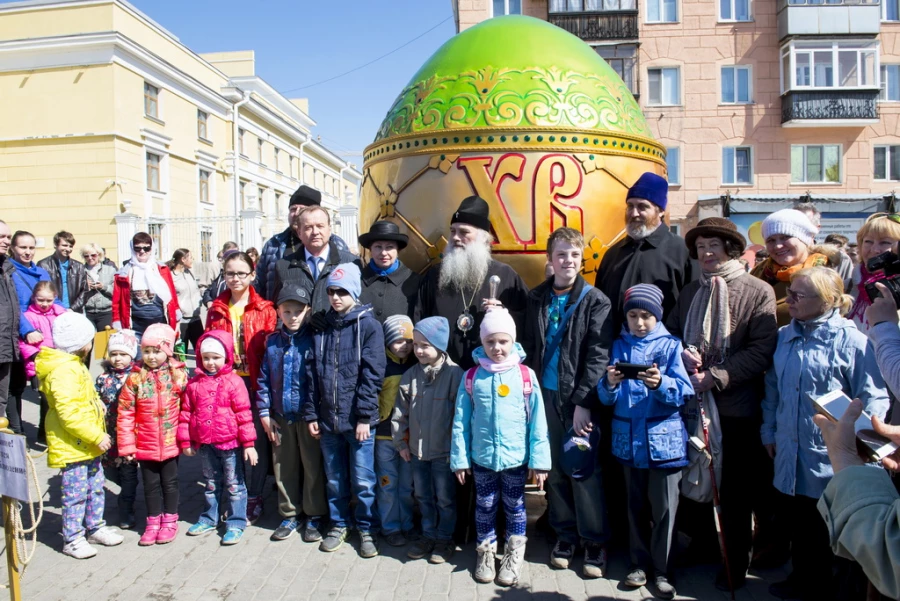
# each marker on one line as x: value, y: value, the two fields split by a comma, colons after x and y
x: 484, y: 566
x: 512, y: 561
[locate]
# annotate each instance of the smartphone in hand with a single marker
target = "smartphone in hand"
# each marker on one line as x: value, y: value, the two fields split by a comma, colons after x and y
x: 834, y: 404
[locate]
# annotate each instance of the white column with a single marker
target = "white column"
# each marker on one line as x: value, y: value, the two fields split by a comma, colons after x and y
x: 126, y: 228
x: 349, y: 225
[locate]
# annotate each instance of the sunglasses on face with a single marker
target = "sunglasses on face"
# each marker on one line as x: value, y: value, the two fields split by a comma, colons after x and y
x: 796, y: 296
x: 142, y: 249
x: 90, y: 256
x: 337, y: 292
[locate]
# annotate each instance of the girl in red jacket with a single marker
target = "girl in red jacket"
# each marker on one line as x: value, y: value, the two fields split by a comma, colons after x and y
x: 216, y: 422
x: 149, y: 408
x: 248, y: 318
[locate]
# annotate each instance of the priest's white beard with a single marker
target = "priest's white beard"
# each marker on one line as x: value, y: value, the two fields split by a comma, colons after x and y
x: 638, y: 229
x: 464, y: 269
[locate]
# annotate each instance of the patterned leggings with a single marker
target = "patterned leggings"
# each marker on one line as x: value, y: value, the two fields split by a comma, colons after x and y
x: 489, y: 487
x: 83, y: 498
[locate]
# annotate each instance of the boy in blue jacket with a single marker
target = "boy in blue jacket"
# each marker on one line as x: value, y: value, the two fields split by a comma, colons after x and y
x: 648, y: 436
x: 281, y: 392
x: 341, y: 407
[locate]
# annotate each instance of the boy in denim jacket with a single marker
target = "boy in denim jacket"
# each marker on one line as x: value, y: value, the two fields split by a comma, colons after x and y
x: 648, y: 436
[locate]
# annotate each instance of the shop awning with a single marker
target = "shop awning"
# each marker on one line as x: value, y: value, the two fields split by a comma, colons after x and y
x: 826, y: 203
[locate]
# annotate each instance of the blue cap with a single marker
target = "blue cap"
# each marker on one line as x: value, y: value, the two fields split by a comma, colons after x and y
x: 580, y: 453
x: 651, y: 187
x: 346, y: 276
x: 436, y: 331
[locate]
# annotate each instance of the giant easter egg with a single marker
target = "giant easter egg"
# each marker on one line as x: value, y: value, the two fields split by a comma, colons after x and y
x: 526, y: 116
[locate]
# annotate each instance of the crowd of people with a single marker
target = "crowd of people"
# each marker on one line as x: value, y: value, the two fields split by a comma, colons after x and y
x: 681, y: 374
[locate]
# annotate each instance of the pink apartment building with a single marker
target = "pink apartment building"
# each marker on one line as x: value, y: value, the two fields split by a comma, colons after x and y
x: 759, y: 103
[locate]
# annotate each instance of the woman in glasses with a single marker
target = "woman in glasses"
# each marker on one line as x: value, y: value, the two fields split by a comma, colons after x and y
x: 879, y: 234
x: 818, y: 352
x: 143, y: 291
x: 249, y: 318
x: 98, y: 298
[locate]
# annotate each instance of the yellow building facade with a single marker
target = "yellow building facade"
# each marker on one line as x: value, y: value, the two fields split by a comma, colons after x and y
x: 110, y: 125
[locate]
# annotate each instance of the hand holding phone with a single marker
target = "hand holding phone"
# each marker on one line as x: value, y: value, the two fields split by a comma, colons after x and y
x: 835, y: 404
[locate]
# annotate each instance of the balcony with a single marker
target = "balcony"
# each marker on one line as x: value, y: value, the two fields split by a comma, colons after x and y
x: 829, y: 108
x: 836, y: 17
x: 599, y: 26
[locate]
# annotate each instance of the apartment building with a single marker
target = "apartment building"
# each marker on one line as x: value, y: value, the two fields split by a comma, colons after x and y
x: 111, y: 125
x: 759, y: 104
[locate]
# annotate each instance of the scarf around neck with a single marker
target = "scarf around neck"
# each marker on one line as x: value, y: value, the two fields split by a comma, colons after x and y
x: 858, y: 310
x: 146, y: 276
x: 384, y: 272
x: 505, y: 365
x: 708, y: 326
x: 775, y: 272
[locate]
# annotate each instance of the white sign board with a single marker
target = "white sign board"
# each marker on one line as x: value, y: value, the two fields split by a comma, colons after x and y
x: 13, y: 467
x: 846, y: 226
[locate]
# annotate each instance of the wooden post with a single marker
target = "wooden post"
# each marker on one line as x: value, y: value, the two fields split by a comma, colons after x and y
x: 12, y: 550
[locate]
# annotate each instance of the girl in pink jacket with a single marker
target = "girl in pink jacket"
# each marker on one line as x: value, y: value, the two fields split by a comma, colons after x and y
x: 216, y: 423
x: 41, y: 313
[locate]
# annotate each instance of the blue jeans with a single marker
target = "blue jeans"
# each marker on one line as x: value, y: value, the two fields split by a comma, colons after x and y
x: 395, y: 488
x: 224, y: 471
x: 435, y: 487
x: 350, y: 463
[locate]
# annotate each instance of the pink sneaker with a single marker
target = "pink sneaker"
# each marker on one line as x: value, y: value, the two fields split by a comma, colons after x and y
x: 254, y: 509
x: 151, y: 533
x: 168, y: 529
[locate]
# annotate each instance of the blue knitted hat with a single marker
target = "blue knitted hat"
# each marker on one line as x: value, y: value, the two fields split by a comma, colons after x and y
x: 651, y: 187
x: 436, y: 331
x: 645, y: 296
x: 346, y: 276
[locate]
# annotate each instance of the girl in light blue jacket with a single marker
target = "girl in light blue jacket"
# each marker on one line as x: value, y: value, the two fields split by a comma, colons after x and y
x: 499, y: 434
x: 818, y: 351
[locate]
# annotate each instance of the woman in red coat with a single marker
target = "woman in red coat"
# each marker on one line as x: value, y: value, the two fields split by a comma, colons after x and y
x: 143, y: 291
x: 249, y: 318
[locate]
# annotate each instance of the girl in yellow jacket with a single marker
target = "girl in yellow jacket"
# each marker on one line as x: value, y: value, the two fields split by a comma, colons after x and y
x: 76, y: 434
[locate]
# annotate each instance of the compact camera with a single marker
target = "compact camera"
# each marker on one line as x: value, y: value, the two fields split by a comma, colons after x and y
x: 888, y: 262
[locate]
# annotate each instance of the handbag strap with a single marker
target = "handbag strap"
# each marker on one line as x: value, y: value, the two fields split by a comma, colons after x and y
x: 556, y: 340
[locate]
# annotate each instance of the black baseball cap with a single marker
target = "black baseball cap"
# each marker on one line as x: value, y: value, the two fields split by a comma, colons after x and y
x: 295, y: 292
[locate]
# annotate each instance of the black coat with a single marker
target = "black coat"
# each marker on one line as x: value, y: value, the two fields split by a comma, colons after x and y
x: 9, y: 314
x: 294, y: 268
x: 76, y: 280
x: 432, y: 302
x: 660, y: 259
x: 394, y: 294
x: 584, y: 348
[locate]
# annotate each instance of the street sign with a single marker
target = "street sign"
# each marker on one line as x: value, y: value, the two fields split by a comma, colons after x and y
x: 13, y: 467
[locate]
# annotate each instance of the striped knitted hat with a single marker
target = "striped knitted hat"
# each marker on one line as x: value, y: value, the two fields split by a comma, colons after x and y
x: 645, y: 296
x: 397, y: 327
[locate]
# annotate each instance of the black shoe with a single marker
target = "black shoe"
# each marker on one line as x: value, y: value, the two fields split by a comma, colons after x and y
x: 664, y: 588
x: 594, y: 561
x: 562, y: 555
x: 636, y: 578
x: 421, y: 548
x: 286, y: 529
x: 736, y: 581
x: 311, y: 532
x: 333, y: 540
x: 786, y: 589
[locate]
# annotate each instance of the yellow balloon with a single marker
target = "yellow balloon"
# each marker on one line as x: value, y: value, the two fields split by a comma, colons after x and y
x: 755, y: 233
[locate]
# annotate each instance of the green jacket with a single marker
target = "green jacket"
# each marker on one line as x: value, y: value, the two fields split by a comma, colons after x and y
x: 861, y: 508
x: 75, y: 421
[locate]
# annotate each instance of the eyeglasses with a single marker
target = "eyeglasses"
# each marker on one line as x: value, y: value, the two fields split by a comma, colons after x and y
x: 336, y: 292
x: 90, y: 256
x: 237, y: 275
x: 142, y: 249
x: 895, y: 217
x: 796, y: 296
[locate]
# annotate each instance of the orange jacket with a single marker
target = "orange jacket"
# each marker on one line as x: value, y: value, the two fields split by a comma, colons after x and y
x: 259, y: 321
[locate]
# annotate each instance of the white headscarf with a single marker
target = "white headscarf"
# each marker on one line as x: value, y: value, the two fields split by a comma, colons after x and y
x: 146, y: 276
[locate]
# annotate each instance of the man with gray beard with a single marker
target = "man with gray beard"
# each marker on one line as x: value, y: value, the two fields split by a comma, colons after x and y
x: 649, y: 254
x: 458, y: 289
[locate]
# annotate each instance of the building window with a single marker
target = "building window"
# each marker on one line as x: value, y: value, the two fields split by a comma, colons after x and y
x: 507, y: 7
x: 887, y: 163
x: 151, y: 100
x: 890, y: 83
x: 816, y: 164
x: 206, y: 246
x: 737, y: 167
x: 890, y: 10
x: 664, y: 86
x: 623, y: 60
x: 589, y: 6
x: 828, y: 64
x: 290, y: 166
x: 202, y: 125
x: 260, y: 196
x: 243, y: 188
x: 662, y: 11
x: 673, y: 164
x: 153, y: 161
x: 259, y: 151
x: 156, y: 232
x: 241, y: 142
x: 736, y: 85
x: 277, y: 152
x: 204, y: 186
x: 734, y: 10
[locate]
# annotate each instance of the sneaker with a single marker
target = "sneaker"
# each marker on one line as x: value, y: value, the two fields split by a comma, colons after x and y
x: 421, y: 548
x: 254, y: 509
x: 285, y: 530
x: 233, y: 536
x: 562, y: 554
x: 333, y: 540
x: 79, y: 549
x: 594, y: 561
x: 396, y: 539
x: 311, y: 532
x: 200, y: 528
x: 664, y: 590
x: 367, y: 545
x: 442, y: 553
x: 636, y: 578
x: 105, y: 536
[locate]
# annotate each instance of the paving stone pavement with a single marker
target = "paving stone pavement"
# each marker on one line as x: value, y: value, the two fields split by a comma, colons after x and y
x: 200, y: 569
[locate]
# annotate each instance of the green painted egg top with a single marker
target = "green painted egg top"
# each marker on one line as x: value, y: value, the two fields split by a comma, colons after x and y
x: 514, y: 72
